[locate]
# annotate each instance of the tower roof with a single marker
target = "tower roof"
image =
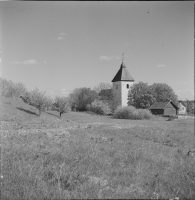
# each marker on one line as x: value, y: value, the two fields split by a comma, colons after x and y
x: 123, y: 74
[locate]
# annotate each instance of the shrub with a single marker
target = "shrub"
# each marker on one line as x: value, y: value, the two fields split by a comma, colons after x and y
x: 130, y: 112
x: 124, y: 112
x: 173, y: 117
x: 145, y: 114
x: 99, y: 107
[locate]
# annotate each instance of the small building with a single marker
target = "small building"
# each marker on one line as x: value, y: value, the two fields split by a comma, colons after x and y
x: 165, y: 108
x: 190, y: 103
x: 121, y: 85
x: 182, y: 108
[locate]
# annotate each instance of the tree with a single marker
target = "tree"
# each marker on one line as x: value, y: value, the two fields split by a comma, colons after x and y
x: 113, y: 102
x: 7, y: 88
x: 61, y: 104
x: 140, y: 96
x: 189, y: 108
x: 10, y: 89
x: 102, y: 86
x: 81, y: 97
x: 99, y: 107
x: 73, y: 98
x: 38, y: 99
x: 163, y: 92
x: 48, y: 103
x: 35, y: 98
x: 20, y: 89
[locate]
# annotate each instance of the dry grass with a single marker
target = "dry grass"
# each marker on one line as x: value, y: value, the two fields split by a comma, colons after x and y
x: 88, y: 156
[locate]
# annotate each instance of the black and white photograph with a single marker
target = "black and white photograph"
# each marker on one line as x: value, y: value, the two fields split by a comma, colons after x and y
x: 97, y: 100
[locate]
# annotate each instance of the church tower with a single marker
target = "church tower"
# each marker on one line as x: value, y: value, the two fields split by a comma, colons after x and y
x: 121, y: 84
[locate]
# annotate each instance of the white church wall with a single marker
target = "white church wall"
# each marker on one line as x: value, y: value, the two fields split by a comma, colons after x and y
x: 120, y: 91
x: 124, y: 91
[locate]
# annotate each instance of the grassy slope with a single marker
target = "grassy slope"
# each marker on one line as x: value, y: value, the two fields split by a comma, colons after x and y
x: 88, y: 156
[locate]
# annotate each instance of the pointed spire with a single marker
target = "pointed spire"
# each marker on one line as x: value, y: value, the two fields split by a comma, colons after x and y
x: 123, y: 74
x: 123, y: 57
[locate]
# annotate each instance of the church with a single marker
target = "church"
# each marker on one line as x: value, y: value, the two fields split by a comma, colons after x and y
x: 121, y: 84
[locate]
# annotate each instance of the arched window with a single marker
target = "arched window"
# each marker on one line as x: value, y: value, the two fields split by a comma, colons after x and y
x: 127, y: 86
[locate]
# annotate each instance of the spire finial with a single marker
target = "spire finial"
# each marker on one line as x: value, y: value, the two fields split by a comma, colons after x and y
x: 123, y: 57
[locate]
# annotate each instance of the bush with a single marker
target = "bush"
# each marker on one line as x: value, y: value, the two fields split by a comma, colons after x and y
x: 172, y: 117
x: 130, y: 112
x: 99, y: 107
x: 145, y: 114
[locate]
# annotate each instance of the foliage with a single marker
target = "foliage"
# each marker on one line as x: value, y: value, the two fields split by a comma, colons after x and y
x: 99, y: 107
x: 140, y: 96
x: 81, y: 97
x: 130, y: 112
x: 48, y: 103
x: 61, y: 104
x: 106, y: 95
x: 163, y: 92
x: 10, y: 89
x: 73, y: 97
x: 144, y: 114
x: 102, y: 86
x: 189, y: 108
x: 36, y: 98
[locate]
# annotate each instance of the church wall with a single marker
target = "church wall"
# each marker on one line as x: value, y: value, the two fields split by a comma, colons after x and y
x: 124, y: 91
x: 121, y: 94
x: 117, y: 92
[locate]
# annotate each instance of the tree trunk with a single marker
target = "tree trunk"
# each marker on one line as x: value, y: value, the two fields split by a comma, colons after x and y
x: 39, y: 112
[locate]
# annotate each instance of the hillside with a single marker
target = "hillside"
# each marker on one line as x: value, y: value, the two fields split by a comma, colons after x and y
x: 83, y: 155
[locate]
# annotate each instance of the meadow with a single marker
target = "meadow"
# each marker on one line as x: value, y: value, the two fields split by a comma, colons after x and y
x: 83, y: 155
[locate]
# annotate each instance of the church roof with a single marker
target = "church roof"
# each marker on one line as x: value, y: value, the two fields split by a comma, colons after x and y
x: 123, y: 74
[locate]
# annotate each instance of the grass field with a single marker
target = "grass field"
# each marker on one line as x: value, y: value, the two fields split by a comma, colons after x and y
x: 84, y: 156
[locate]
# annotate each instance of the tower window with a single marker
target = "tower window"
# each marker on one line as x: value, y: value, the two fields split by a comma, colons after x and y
x: 116, y: 86
x: 127, y: 86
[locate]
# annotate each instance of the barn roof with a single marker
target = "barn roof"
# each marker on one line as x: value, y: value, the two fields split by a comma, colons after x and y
x: 162, y: 105
x: 123, y: 74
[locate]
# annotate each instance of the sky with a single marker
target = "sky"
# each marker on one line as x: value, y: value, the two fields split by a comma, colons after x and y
x: 60, y: 46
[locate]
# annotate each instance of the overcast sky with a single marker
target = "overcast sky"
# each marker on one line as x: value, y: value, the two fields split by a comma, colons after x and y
x: 59, y: 46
